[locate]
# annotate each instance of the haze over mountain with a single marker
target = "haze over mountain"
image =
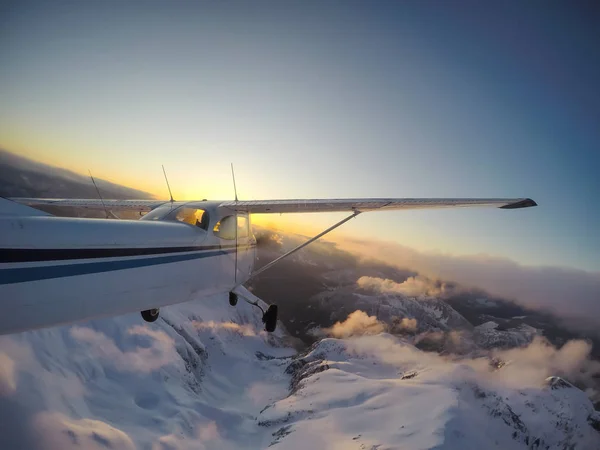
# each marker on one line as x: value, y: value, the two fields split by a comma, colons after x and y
x: 346, y: 277
x: 24, y: 177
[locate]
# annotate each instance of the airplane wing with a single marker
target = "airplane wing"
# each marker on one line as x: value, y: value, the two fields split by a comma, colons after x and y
x: 296, y: 206
x: 121, y: 205
x: 371, y: 204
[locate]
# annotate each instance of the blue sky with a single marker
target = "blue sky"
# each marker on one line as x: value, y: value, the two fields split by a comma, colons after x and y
x: 326, y: 99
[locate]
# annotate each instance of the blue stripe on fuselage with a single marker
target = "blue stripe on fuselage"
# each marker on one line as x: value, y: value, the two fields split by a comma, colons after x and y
x: 24, y: 274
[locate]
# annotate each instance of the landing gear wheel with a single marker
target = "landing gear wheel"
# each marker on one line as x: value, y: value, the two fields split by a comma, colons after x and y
x: 150, y: 315
x: 233, y: 298
x: 270, y: 318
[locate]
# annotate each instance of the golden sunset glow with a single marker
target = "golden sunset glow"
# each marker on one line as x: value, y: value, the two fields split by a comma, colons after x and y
x: 342, y: 113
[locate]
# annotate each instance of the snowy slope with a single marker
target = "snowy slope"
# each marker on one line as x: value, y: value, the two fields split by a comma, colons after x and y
x: 194, y: 379
x: 205, y: 377
x: 378, y: 392
x: 488, y: 336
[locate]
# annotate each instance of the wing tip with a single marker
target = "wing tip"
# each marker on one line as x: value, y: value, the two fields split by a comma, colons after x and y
x: 525, y: 203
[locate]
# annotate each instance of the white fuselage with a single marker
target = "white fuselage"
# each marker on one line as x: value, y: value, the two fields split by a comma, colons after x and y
x: 56, y: 270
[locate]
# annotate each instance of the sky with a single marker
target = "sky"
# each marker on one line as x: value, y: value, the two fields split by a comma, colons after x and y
x: 326, y: 99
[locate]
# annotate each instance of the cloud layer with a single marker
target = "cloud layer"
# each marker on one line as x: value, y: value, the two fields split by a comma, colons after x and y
x: 519, y: 368
x: 413, y: 287
x: 524, y: 367
x: 570, y: 293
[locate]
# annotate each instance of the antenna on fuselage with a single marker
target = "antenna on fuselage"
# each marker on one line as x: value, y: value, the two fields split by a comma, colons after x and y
x: 167, y: 180
x: 99, y: 195
x: 236, y: 225
x: 234, y: 188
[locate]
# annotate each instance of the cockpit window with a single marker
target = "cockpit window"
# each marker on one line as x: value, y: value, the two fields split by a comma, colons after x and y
x: 193, y: 216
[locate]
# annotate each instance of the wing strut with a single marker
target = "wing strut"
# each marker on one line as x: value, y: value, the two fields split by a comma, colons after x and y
x: 269, y: 317
x: 301, y: 246
x: 236, y: 227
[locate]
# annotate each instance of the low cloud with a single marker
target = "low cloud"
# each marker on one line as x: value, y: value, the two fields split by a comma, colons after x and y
x: 570, y: 293
x: 261, y: 393
x: 206, y: 436
x: 159, y: 353
x: 242, y: 330
x: 358, y: 323
x: 525, y: 367
x: 268, y: 238
x: 407, y: 324
x: 540, y: 359
x: 522, y: 367
x: 413, y: 287
x: 59, y: 432
x: 8, y: 376
x: 208, y: 432
x: 17, y: 358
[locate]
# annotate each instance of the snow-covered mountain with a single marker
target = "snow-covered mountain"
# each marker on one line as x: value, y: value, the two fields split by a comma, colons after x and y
x: 430, y: 313
x: 197, y: 378
x: 324, y: 283
x: 377, y: 392
x: 206, y: 377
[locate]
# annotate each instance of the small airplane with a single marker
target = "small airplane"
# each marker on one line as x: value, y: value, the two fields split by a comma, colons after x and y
x: 59, y: 270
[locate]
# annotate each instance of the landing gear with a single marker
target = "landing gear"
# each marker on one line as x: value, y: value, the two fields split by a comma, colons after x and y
x: 150, y: 315
x: 270, y: 318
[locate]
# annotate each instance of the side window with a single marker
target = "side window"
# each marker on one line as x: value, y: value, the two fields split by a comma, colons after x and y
x: 225, y: 228
x: 242, y: 224
x: 193, y: 216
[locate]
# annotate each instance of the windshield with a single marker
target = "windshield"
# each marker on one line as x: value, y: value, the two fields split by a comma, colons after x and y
x: 157, y: 214
x: 191, y: 216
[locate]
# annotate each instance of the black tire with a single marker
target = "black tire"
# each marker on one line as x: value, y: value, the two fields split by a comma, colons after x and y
x: 233, y: 299
x: 270, y: 318
x: 150, y: 315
